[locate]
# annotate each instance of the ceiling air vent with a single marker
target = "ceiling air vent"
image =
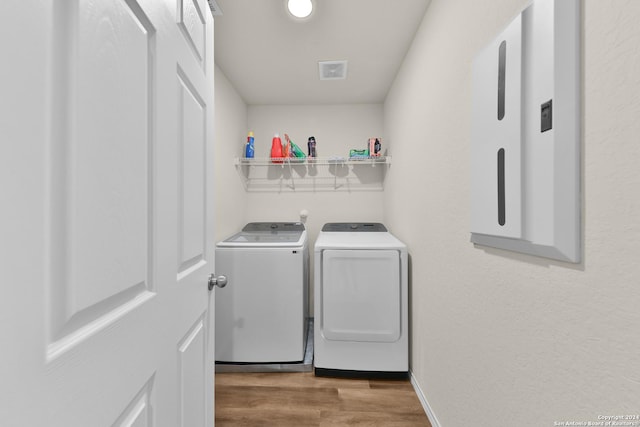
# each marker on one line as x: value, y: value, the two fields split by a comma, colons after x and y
x: 333, y: 70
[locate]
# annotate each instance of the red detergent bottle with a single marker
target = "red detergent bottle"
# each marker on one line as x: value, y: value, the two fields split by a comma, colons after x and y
x: 276, y: 149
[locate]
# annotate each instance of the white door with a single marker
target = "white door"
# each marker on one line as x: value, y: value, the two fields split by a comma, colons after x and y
x: 105, y: 217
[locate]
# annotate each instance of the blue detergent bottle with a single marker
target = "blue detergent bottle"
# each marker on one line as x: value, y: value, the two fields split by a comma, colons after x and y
x: 249, y: 149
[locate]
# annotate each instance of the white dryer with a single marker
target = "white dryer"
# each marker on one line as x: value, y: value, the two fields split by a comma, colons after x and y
x: 261, y: 315
x: 361, y: 302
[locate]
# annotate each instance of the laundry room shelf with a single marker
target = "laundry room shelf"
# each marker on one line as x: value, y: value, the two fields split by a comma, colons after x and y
x: 318, y: 174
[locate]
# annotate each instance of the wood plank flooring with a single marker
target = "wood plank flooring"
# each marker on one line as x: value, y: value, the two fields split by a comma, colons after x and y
x: 302, y: 399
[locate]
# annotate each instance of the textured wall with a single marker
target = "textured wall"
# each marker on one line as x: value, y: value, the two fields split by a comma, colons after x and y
x: 230, y: 135
x: 498, y: 338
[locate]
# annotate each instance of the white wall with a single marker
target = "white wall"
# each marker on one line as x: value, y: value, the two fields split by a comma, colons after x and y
x: 498, y: 338
x: 337, y: 128
x: 230, y: 137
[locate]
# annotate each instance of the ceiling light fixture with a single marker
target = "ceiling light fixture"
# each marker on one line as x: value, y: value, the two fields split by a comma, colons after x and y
x: 300, y: 8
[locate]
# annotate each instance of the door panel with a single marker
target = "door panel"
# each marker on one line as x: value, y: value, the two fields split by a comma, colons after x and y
x: 139, y: 413
x: 192, y: 23
x: 101, y: 196
x: 192, y: 115
x: 192, y: 372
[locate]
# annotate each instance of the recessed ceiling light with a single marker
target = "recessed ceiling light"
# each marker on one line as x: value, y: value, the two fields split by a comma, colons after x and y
x: 300, y: 8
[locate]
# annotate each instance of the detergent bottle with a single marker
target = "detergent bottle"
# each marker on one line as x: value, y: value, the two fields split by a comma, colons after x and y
x: 276, y: 149
x: 311, y: 144
x: 249, y: 148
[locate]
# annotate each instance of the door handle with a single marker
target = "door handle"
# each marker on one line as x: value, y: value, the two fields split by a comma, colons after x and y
x: 219, y: 281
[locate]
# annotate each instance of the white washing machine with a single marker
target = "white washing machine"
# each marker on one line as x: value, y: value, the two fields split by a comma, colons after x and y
x: 361, y: 302
x: 261, y: 315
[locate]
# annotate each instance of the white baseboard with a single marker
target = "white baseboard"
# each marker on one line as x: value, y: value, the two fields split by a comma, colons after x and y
x: 425, y: 404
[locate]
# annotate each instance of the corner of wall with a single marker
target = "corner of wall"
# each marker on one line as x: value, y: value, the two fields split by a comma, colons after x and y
x: 230, y: 132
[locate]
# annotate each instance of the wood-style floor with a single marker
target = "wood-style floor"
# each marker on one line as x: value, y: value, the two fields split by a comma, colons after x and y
x: 301, y: 399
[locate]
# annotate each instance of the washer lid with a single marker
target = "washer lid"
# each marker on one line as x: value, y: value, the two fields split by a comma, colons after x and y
x: 274, y: 234
x: 354, y: 227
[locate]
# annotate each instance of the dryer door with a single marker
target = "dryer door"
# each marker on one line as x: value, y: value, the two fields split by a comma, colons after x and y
x: 361, y: 295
